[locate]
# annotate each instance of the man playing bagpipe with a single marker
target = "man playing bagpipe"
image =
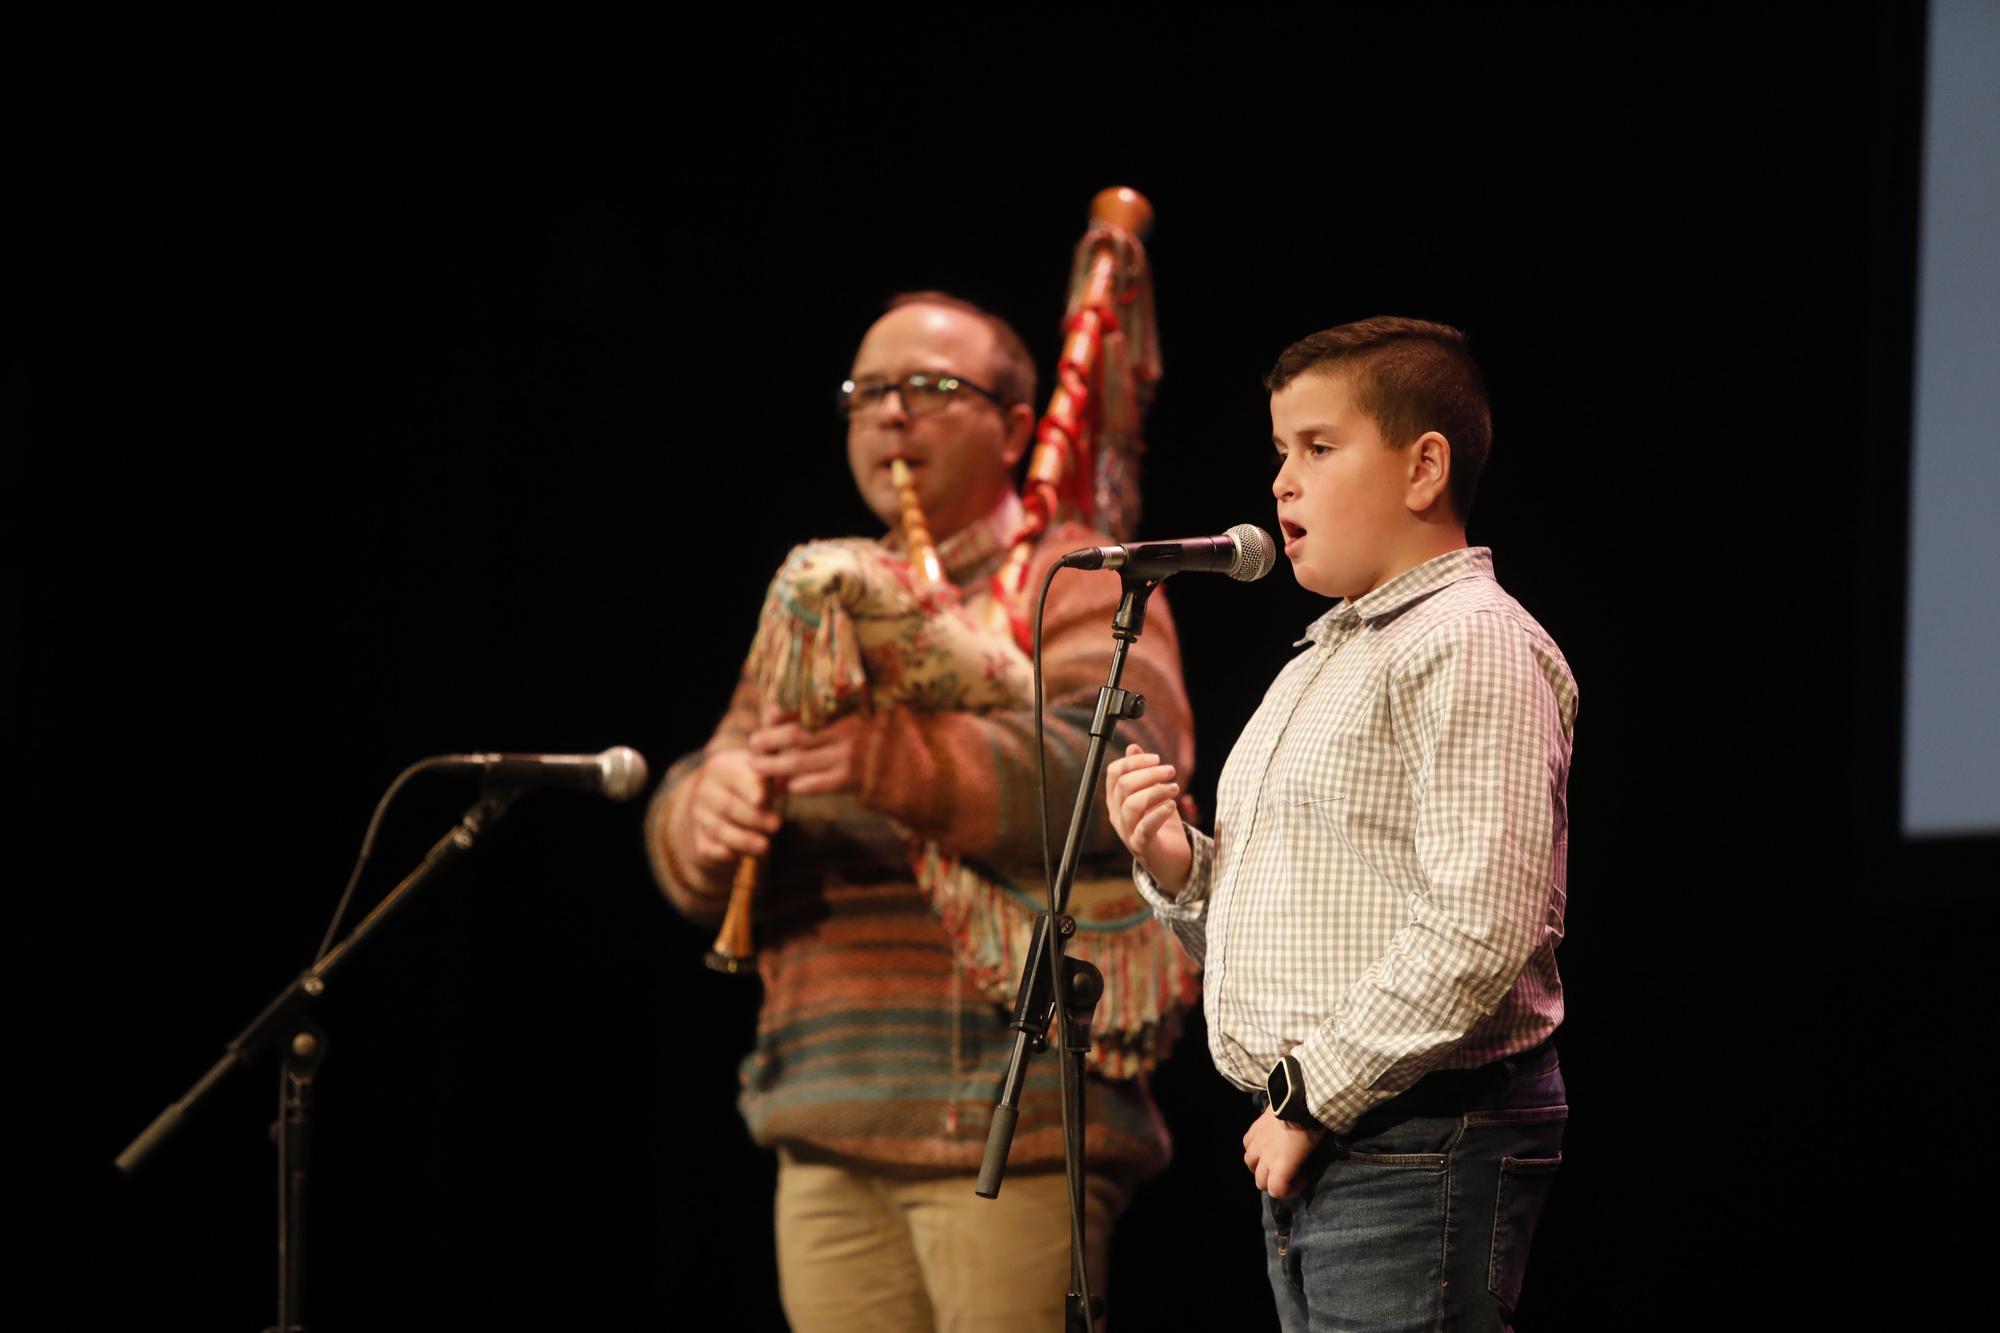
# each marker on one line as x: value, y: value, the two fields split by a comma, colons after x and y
x: 878, y: 760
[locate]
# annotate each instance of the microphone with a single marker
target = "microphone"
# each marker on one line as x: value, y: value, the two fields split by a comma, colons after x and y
x: 1245, y: 552
x: 619, y: 772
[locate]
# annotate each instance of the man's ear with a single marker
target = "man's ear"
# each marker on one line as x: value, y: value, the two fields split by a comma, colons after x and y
x: 1020, y: 430
x: 1430, y: 473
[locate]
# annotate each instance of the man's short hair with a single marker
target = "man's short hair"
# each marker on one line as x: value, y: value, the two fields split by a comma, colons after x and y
x: 1410, y: 376
x: 1013, y: 370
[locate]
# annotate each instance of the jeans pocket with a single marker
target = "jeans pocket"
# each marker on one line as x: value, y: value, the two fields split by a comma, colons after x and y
x: 1524, y: 1187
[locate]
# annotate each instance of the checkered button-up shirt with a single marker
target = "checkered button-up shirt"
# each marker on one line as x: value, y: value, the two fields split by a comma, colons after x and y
x: 1384, y: 892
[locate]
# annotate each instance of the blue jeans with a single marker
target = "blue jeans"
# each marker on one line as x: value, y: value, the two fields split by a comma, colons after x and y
x: 1419, y: 1219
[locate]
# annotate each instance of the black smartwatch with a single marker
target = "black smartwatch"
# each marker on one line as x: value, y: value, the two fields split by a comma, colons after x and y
x: 1286, y: 1086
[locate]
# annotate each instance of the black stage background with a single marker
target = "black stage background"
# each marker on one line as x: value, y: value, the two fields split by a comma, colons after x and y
x: 465, y: 398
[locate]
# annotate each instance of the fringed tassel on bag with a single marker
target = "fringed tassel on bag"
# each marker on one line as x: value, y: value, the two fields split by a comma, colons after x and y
x: 1148, y: 981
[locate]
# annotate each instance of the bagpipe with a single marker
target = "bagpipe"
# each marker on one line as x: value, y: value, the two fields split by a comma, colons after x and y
x: 849, y: 625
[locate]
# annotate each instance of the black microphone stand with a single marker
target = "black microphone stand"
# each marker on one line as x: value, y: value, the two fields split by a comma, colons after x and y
x: 304, y: 1046
x: 1055, y: 986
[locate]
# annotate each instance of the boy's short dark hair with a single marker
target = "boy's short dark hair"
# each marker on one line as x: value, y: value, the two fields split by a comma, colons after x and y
x: 1013, y: 369
x: 1410, y: 376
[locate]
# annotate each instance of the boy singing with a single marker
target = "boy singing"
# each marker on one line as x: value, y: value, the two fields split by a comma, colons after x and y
x: 1378, y: 910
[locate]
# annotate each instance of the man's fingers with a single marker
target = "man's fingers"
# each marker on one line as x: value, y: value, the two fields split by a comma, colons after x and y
x: 725, y: 842
x: 740, y: 786
x: 820, y: 783
x: 774, y: 765
x: 794, y: 763
x: 728, y: 773
x: 733, y: 810
x: 785, y: 736
x: 737, y: 795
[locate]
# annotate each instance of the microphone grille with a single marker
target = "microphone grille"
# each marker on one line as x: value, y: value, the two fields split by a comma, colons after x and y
x: 624, y: 772
x: 1255, y: 552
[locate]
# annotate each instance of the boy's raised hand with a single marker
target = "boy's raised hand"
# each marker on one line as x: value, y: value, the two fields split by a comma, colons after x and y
x: 1145, y: 813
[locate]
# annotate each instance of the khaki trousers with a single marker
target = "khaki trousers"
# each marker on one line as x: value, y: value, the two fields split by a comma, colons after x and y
x: 882, y: 1253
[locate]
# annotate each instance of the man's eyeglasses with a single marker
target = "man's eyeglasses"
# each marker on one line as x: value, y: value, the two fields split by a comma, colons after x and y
x: 922, y: 393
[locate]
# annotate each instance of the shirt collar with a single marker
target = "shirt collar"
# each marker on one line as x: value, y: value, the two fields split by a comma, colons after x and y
x: 1409, y: 587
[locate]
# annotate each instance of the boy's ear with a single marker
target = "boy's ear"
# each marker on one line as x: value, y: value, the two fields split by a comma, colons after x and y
x: 1430, y: 472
